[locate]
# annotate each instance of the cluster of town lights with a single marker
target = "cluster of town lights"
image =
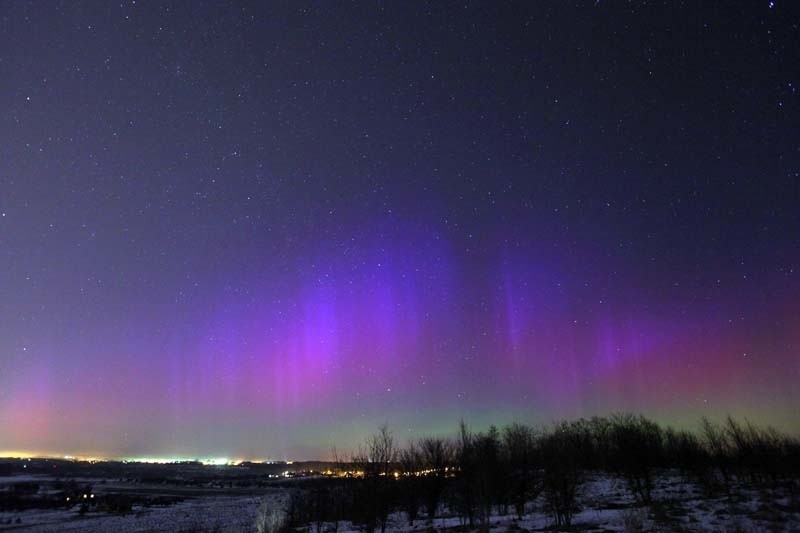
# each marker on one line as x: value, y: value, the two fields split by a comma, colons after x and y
x: 85, y: 497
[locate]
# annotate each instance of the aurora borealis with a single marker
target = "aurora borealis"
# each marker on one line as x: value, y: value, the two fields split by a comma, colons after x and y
x: 256, y: 230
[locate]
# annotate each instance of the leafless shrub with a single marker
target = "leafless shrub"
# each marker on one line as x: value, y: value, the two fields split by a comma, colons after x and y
x: 637, y: 450
x: 719, y: 448
x: 271, y: 517
x: 633, y: 520
x: 436, y: 455
x: 561, y: 450
x: 410, y: 464
x: 524, y: 480
x: 377, y: 492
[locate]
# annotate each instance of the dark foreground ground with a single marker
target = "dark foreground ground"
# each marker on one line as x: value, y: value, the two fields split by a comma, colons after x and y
x: 48, y: 495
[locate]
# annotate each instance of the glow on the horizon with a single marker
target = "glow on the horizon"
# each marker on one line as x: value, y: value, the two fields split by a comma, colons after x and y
x: 206, y: 461
x: 16, y: 454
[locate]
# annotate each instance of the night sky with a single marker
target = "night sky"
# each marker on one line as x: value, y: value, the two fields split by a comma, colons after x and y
x: 256, y: 230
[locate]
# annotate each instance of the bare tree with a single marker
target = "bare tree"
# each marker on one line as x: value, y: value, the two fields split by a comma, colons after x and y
x: 437, y: 456
x: 382, y: 451
x: 410, y: 464
x: 375, y: 458
x: 561, y: 453
x: 523, y: 472
x: 463, y: 498
x: 637, y: 448
x: 718, y: 445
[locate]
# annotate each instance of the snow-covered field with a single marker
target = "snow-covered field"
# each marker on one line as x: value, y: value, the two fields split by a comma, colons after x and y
x: 605, y: 502
x: 212, y: 513
x: 608, y: 506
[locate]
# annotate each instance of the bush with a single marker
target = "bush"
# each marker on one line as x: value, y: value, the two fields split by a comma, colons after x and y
x: 410, y: 464
x: 520, y: 452
x: 636, y: 450
x: 719, y: 451
x: 684, y: 451
x: 561, y: 453
x: 271, y: 517
x: 461, y: 496
x: 633, y: 520
x: 436, y: 455
x: 377, y: 493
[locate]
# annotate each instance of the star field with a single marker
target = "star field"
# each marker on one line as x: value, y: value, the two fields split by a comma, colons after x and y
x: 255, y: 230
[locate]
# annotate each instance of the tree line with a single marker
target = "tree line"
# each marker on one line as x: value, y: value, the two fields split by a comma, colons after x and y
x: 514, y: 468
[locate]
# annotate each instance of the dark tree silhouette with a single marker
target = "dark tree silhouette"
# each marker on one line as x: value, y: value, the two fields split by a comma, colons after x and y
x: 636, y: 450
x: 436, y: 455
x: 410, y: 460
x: 561, y: 453
x: 523, y: 479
